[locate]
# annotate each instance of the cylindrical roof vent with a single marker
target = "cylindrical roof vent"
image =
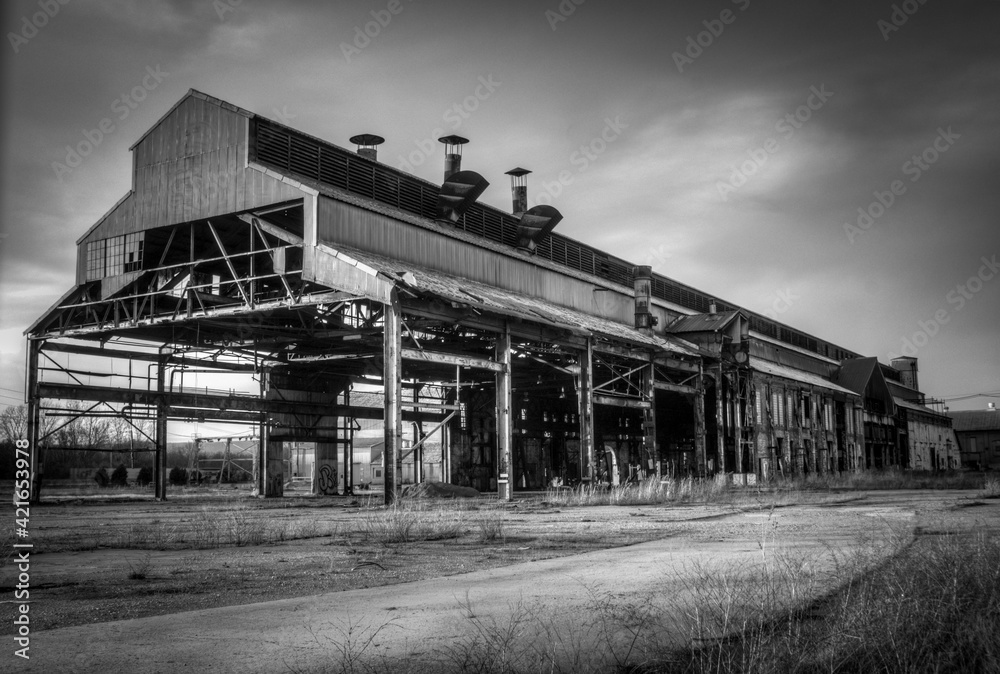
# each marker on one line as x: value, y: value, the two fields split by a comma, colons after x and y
x: 452, y: 154
x: 518, y: 189
x: 368, y: 145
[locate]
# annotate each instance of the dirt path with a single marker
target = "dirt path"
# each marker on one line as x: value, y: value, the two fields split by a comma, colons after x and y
x: 429, y: 619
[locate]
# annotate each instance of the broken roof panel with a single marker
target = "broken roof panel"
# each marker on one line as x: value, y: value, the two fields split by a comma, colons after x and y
x: 510, y: 303
x: 703, y: 322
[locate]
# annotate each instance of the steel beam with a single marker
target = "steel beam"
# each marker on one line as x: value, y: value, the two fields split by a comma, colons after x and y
x: 613, y: 401
x: 675, y: 388
x: 452, y: 359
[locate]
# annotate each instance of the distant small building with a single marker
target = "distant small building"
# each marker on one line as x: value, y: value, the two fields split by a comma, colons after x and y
x: 978, y: 434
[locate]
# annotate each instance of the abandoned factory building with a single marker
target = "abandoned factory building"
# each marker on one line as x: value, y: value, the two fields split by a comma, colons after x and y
x: 348, y: 291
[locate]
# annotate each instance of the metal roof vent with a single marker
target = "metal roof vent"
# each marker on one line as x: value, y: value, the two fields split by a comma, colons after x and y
x: 368, y: 145
x: 452, y: 154
x: 518, y: 189
x: 458, y: 192
x: 534, y: 225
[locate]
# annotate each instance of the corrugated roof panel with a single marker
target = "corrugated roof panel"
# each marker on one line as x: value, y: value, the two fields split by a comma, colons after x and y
x: 776, y: 370
x: 975, y: 420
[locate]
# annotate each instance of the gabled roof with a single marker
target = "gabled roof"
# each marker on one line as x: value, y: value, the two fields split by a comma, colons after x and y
x: 703, y: 322
x: 194, y: 93
x: 855, y: 373
x: 976, y: 420
x: 862, y: 374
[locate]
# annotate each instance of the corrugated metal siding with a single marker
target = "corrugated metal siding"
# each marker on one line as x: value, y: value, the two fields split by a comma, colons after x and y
x: 341, y: 224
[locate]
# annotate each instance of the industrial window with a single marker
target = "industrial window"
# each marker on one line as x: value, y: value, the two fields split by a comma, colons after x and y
x: 757, y: 403
x: 791, y: 410
x: 115, y: 255
x: 95, y: 260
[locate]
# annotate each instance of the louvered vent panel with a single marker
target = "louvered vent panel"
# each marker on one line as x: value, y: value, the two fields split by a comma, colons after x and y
x: 387, y: 188
x: 272, y: 146
x: 304, y: 158
x: 409, y: 196
x: 361, y: 179
x: 333, y: 169
x: 492, y: 225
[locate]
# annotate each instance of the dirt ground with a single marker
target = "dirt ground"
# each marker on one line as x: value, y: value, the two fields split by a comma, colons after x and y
x: 331, y: 563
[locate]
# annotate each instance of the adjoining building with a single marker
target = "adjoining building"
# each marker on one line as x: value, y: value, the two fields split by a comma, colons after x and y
x: 526, y: 358
x: 900, y: 429
x: 978, y: 434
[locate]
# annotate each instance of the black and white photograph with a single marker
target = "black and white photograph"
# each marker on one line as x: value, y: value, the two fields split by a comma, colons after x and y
x: 564, y: 336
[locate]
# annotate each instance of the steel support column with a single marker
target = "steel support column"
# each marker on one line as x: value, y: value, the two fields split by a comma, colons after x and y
x: 348, y: 445
x: 504, y: 420
x: 272, y: 465
x: 700, y: 458
x: 324, y: 478
x: 720, y: 422
x: 35, y: 456
x: 160, y: 435
x: 585, y: 398
x: 392, y: 383
x: 650, y: 446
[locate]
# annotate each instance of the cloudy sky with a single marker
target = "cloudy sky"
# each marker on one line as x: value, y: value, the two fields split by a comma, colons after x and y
x: 728, y: 143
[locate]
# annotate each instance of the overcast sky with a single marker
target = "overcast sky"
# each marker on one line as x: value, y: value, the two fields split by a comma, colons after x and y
x: 729, y: 144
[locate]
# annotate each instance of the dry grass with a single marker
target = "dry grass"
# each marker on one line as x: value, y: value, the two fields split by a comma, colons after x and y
x: 933, y: 607
x: 407, y: 522
x: 239, y: 525
x: 778, y: 491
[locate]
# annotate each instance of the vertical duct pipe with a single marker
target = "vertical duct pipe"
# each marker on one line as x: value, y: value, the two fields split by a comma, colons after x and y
x: 518, y: 190
x: 452, y: 154
x: 643, y: 298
